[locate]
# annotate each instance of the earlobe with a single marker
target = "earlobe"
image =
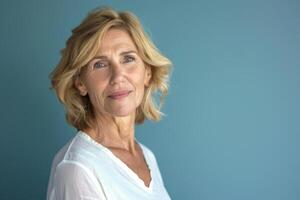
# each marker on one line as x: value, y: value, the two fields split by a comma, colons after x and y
x: 81, y: 87
x: 148, y: 76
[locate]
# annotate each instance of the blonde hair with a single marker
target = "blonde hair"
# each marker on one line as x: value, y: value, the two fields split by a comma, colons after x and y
x: 84, y: 44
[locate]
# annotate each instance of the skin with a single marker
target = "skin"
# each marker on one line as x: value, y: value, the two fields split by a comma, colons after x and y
x: 115, y: 81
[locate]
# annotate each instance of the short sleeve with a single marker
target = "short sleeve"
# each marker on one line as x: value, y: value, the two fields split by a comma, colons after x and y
x: 73, y: 181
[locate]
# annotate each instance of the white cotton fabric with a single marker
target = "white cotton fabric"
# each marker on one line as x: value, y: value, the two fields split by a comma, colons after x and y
x: 86, y: 170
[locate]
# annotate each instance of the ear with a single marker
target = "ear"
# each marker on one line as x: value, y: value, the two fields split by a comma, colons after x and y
x: 80, y: 86
x: 148, y: 76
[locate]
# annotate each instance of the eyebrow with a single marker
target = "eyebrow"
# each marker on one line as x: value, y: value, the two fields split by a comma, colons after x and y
x: 122, y: 53
x: 128, y: 52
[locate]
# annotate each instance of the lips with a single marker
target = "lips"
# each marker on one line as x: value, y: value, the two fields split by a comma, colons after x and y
x: 119, y: 94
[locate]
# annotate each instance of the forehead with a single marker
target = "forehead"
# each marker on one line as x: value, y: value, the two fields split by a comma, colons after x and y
x: 116, y: 39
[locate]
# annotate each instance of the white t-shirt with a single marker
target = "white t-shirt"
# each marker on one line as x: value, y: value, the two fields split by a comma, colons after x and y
x: 86, y: 170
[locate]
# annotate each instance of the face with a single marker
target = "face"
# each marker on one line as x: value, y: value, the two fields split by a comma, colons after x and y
x: 116, y: 78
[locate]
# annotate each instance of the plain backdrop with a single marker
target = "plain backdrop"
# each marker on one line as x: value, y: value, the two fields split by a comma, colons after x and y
x: 231, y: 129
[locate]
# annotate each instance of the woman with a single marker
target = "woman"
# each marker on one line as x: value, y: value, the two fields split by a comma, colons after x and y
x: 107, y: 77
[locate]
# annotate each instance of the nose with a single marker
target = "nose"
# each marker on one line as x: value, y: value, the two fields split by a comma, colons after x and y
x: 117, y: 73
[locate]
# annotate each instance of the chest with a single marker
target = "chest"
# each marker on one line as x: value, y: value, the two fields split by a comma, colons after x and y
x: 136, y: 164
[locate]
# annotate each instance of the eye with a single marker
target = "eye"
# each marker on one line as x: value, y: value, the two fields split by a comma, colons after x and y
x: 99, y: 64
x: 128, y: 59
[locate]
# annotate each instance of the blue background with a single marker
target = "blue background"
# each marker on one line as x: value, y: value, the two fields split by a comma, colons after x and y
x: 232, y: 125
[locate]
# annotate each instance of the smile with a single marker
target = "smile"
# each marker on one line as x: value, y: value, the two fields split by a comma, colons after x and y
x: 119, y: 94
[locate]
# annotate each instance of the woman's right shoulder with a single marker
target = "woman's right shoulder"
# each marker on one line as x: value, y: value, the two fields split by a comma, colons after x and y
x: 69, y: 152
x: 74, y: 180
x: 60, y: 155
x: 72, y: 170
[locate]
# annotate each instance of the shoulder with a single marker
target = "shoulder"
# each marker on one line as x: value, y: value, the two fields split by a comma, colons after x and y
x: 70, y: 171
x: 77, y: 150
x: 72, y: 176
x: 74, y: 181
x: 69, y: 160
x: 61, y: 154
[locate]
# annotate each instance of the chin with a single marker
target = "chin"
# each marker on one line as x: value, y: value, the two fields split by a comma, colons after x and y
x: 122, y: 112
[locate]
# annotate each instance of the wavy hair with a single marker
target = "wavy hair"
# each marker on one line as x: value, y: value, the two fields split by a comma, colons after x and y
x: 84, y: 44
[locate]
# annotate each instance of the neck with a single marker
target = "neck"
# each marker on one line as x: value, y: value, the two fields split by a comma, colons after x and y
x: 115, y: 132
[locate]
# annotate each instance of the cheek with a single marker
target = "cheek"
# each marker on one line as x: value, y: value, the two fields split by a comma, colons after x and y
x: 96, y: 93
x: 140, y: 94
x: 96, y: 99
x: 140, y: 88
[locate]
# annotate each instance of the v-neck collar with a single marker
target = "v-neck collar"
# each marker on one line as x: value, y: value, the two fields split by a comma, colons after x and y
x: 121, y: 163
